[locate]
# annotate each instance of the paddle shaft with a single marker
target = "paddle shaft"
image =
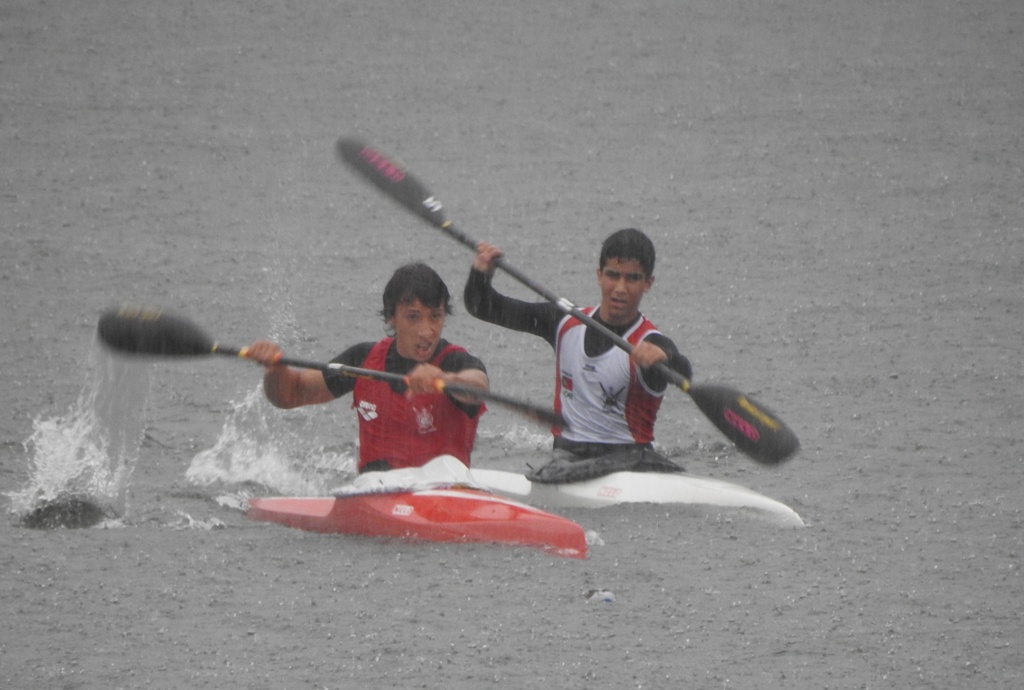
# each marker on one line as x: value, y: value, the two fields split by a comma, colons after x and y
x: 357, y: 372
x: 537, y: 413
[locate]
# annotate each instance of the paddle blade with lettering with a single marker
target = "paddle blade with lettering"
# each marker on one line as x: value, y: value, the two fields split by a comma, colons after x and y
x: 391, y: 177
x: 754, y: 429
x: 151, y: 331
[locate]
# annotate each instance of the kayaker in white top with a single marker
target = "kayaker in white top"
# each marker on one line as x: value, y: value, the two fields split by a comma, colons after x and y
x: 609, y: 398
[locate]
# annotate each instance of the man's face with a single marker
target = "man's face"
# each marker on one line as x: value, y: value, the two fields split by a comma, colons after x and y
x: 417, y: 329
x: 623, y: 284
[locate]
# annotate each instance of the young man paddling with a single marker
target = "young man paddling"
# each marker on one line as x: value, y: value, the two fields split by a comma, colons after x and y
x: 399, y: 426
x: 609, y: 398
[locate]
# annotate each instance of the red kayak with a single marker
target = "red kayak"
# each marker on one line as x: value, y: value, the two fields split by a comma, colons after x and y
x: 454, y: 514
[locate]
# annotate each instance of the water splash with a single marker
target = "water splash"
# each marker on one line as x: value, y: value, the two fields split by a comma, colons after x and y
x: 81, y: 463
x: 263, y: 445
x: 260, y: 444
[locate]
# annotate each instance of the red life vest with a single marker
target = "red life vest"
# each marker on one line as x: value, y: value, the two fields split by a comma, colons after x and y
x: 409, y: 432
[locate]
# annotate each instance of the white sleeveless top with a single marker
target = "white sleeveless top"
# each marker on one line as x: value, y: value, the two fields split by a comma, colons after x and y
x: 603, y: 399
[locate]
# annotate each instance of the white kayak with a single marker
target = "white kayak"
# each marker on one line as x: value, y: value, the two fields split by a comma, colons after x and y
x: 636, y: 487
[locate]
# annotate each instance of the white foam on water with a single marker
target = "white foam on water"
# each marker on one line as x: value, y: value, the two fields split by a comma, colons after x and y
x: 89, y: 453
x: 282, y: 451
x: 279, y: 450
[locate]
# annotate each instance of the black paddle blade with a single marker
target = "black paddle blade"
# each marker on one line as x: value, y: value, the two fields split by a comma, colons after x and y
x: 392, y: 178
x: 754, y: 429
x: 150, y: 331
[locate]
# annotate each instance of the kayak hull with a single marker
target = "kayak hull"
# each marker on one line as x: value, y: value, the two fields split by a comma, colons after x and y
x: 436, y: 515
x: 636, y: 487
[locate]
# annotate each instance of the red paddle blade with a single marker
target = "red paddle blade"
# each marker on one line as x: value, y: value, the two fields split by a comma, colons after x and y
x: 754, y: 428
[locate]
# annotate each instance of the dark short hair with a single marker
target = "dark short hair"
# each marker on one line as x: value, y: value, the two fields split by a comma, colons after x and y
x: 628, y: 244
x: 413, y: 282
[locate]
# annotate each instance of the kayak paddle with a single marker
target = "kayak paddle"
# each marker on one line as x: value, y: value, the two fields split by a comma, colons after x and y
x: 754, y: 429
x: 152, y: 331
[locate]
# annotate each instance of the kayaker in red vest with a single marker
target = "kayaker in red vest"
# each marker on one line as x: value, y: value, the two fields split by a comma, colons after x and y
x: 610, y: 399
x: 399, y: 425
